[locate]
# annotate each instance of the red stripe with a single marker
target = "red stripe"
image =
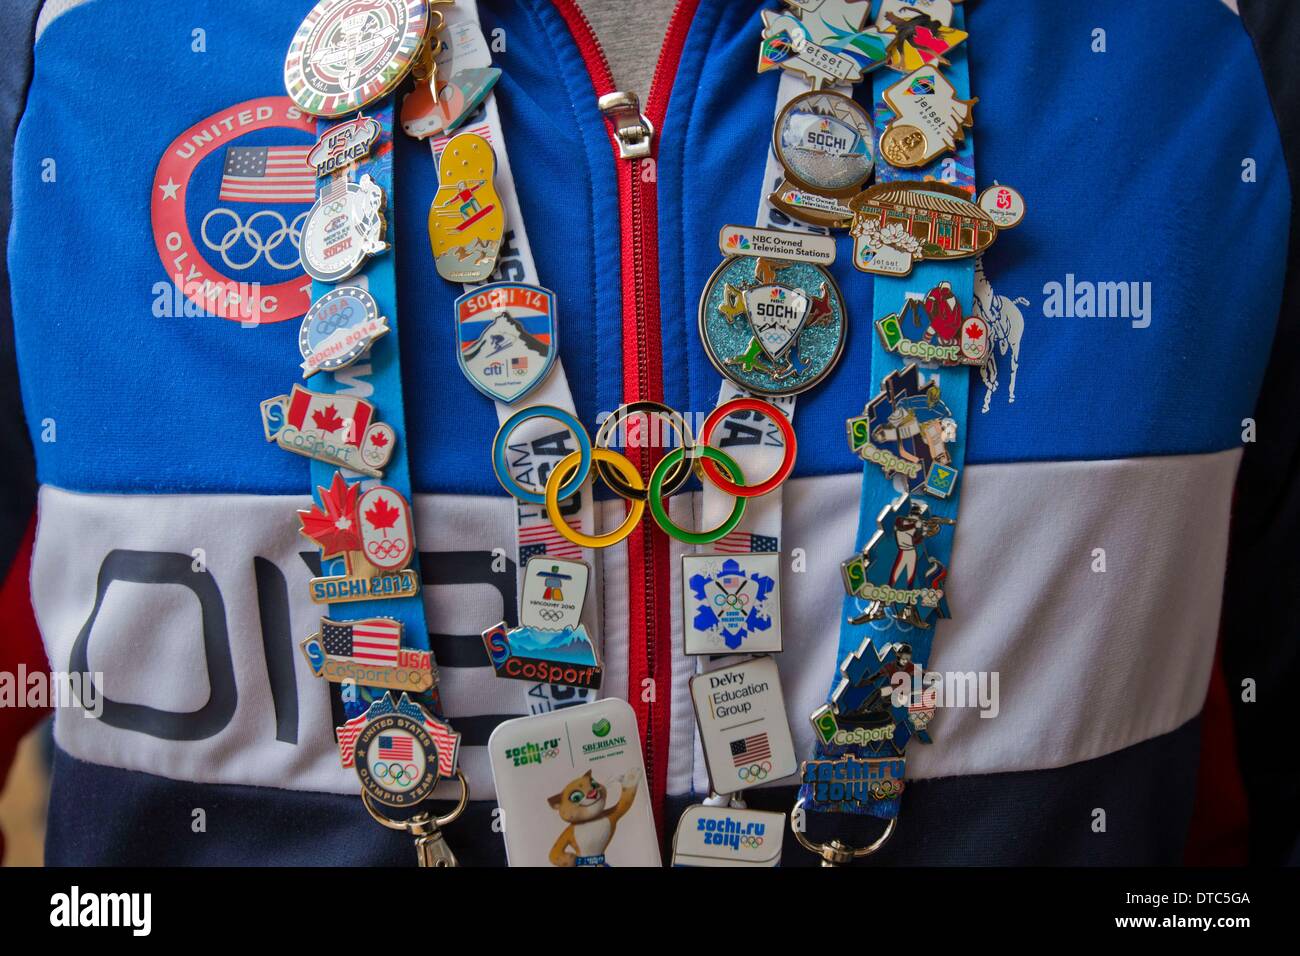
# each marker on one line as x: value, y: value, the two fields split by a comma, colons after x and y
x: 649, y: 620
x: 20, y: 643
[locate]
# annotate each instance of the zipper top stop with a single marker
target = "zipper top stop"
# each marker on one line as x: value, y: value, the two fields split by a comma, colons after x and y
x: 634, y: 131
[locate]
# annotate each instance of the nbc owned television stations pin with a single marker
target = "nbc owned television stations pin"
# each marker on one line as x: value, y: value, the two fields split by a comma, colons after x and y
x: 572, y: 790
x: 728, y: 836
x: 373, y: 536
x: 551, y: 645
x: 343, y: 229
x: 338, y: 329
x: 771, y: 316
x: 743, y: 729
x: 368, y: 653
x: 348, y: 53
x: 823, y: 142
x: 507, y: 338
x: 337, y: 429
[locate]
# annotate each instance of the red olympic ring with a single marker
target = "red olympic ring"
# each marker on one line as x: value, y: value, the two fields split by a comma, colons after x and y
x: 768, y: 410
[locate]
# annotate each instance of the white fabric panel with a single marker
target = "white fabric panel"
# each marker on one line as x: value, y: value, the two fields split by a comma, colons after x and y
x: 1088, y: 663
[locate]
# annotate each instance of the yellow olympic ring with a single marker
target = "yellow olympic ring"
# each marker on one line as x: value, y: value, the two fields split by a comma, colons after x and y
x: 567, y: 466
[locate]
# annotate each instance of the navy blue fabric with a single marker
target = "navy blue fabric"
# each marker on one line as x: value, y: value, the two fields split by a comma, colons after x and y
x: 1130, y: 161
x: 104, y: 816
x: 1261, y: 629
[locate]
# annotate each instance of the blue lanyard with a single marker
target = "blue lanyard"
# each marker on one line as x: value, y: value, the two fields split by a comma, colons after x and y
x: 866, y: 643
x: 377, y: 379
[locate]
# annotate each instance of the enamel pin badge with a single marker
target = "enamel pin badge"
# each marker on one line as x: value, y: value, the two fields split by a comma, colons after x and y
x: 373, y: 535
x: 898, y: 224
x: 906, y: 430
x: 396, y: 761
x: 337, y: 429
x: 572, y: 788
x: 551, y: 645
x: 368, y: 653
x: 451, y: 90
x: 728, y: 836
x: 743, y: 728
x: 916, y: 39
x: 933, y: 328
x: 343, y: 145
x: 731, y: 603
x: 897, y: 572
x: 398, y: 751
x: 466, y: 220
x: 878, y: 704
x: 338, y: 329
x: 506, y: 332
x: 823, y: 41
x: 929, y: 119
x: 823, y: 142
x: 774, y: 325
x: 348, y: 53
x: 343, y: 228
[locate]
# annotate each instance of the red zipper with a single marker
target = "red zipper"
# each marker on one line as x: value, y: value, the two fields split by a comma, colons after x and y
x: 649, y: 574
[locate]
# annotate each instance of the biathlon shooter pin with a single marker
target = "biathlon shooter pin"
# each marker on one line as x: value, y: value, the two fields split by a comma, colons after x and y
x: 896, y: 572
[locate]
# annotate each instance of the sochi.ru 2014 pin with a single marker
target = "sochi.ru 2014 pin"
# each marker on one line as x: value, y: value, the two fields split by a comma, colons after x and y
x: 506, y: 333
x: 343, y: 229
x: 399, y: 752
x: 338, y: 329
x: 929, y: 119
x: 823, y: 141
x: 743, y: 728
x: 442, y: 755
x: 337, y: 429
x: 373, y: 535
x: 932, y: 328
x: 821, y: 40
x: 368, y: 653
x: 898, y: 224
x: 728, y: 836
x: 342, y: 145
x: 896, y: 573
x: 551, y: 645
x: 774, y: 325
x: 906, y: 430
x: 466, y: 220
x: 731, y: 603
x: 348, y: 53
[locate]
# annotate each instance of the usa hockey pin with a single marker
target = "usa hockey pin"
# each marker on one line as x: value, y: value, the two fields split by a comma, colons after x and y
x: 342, y: 145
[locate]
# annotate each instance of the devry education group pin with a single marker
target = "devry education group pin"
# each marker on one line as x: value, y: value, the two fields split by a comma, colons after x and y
x: 773, y: 325
x: 348, y: 53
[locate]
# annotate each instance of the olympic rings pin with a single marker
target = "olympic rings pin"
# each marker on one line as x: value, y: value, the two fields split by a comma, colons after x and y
x: 501, y: 444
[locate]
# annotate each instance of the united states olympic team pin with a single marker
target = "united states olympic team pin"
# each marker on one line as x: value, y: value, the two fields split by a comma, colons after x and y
x: 348, y: 53
x: 338, y: 329
x: 773, y: 323
x: 396, y: 759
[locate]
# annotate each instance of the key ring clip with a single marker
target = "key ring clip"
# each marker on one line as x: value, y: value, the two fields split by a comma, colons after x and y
x: 836, y: 852
x: 430, y: 847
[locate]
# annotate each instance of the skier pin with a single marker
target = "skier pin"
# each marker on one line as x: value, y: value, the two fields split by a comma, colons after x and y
x: 906, y: 430
x: 506, y: 334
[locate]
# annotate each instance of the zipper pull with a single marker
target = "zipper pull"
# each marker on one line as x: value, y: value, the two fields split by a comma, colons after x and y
x: 633, y: 130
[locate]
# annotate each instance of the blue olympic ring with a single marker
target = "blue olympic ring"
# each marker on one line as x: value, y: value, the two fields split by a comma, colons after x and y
x: 569, y: 488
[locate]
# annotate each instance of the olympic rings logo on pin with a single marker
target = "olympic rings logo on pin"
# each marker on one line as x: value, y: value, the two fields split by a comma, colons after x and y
x: 688, y: 458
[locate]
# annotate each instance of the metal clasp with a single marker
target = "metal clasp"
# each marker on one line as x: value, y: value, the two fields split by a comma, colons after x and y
x: 838, y: 853
x: 633, y: 130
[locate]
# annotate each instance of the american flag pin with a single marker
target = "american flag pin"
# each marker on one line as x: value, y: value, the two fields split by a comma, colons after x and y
x: 369, y: 653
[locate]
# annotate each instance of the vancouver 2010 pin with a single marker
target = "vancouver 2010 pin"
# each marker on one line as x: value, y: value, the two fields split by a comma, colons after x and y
x: 348, y: 53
